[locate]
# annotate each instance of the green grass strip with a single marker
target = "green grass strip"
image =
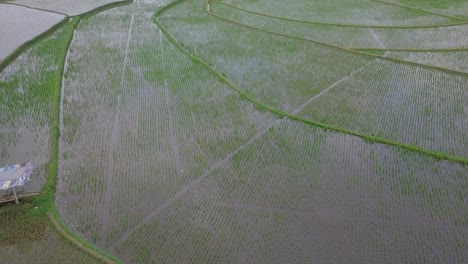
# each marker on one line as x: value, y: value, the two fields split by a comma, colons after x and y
x: 45, y: 201
x: 335, y: 24
x: 370, y: 54
x: 105, y: 7
x: 26, y: 45
x: 282, y: 114
x: 47, y: 197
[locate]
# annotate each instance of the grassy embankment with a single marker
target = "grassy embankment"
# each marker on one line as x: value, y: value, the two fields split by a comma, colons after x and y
x: 37, y: 211
x: 280, y: 113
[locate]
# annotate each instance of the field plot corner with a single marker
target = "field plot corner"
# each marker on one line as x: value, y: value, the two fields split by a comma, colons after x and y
x: 19, y: 25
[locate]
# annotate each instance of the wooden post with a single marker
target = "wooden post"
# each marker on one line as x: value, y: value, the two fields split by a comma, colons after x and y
x: 16, y: 197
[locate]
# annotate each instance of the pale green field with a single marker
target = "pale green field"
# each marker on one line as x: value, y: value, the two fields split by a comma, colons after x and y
x: 262, y: 132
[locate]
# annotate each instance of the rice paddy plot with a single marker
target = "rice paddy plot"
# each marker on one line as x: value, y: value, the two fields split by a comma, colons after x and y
x: 452, y: 60
x: 159, y: 122
x: 301, y: 194
x: 68, y: 7
x: 445, y: 38
x: 399, y: 102
x: 278, y: 71
x: 454, y: 8
x: 27, y: 88
x: 19, y: 24
x: 91, y: 91
x: 354, y: 12
x: 333, y: 35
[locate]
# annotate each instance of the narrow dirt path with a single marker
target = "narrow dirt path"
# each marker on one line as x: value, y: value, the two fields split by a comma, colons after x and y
x: 378, y: 41
x: 324, y: 91
x: 174, y: 142
x: 105, y: 216
x: 188, y: 187
x: 219, y: 163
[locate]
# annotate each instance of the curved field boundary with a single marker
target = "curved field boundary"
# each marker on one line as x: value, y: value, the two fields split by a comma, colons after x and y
x: 46, y: 199
x: 84, y: 14
x: 79, y: 243
x: 282, y: 114
x: 10, y: 58
x: 48, y: 192
x: 26, y: 45
x: 409, y: 50
x: 341, y: 48
x: 36, y: 8
x: 339, y: 24
x: 105, y: 7
x: 417, y: 9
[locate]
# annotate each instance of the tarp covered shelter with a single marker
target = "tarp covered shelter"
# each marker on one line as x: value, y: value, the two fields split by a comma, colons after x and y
x: 13, y: 177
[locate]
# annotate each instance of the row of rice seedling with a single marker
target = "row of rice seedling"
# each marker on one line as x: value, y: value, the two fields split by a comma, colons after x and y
x: 354, y: 12
x: 143, y: 152
x: 400, y: 102
x: 175, y: 120
x: 27, y: 88
x: 287, y: 94
x: 284, y: 73
x: 186, y: 126
x: 91, y: 91
x: 453, y: 60
x: 334, y: 35
x: 438, y: 38
x: 302, y: 194
x: 453, y: 8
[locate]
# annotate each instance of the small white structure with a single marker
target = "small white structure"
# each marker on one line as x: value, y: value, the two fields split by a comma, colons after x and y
x: 14, y: 177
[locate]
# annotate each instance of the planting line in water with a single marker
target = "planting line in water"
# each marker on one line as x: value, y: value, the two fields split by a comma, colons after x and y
x: 174, y: 142
x: 378, y: 40
x: 113, y: 142
x: 218, y: 164
x: 342, y: 48
x: 188, y: 187
x: 420, y: 10
x: 410, y: 50
x: 46, y: 198
x: 62, y: 95
x: 330, y: 87
x: 280, y: 113
x: 337, y: 24
x: 126, y: 235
